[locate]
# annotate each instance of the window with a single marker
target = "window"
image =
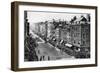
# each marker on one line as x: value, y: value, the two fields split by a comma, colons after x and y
x: 83, y: 35
x: 83, y: 42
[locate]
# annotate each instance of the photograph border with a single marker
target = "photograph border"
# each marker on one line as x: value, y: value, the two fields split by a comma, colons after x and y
x: 15, y: 34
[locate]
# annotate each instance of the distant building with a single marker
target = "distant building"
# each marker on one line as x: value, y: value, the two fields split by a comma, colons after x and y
x: 40, y: 28
x: 65, y: 34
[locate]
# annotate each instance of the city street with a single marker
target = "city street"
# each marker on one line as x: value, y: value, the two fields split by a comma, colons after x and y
x: 45, y: 51
x: 57, y: 39
x: 50, y: 52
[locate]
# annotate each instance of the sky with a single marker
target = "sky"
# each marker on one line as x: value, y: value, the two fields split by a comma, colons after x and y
x: 36, y: 16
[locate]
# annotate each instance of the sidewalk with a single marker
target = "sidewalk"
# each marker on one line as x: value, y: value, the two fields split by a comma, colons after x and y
x: 35, y: 35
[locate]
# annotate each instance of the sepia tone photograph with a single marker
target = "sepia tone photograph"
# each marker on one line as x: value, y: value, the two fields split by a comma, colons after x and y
x: 52, y: 35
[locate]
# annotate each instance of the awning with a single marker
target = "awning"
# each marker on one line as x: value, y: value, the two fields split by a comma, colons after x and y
x: 69, y: 45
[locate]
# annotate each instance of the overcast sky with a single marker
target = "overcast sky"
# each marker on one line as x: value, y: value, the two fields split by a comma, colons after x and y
x: 34, y: 17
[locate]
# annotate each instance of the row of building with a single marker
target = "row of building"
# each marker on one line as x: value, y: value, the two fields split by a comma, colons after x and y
x: 75, y: 33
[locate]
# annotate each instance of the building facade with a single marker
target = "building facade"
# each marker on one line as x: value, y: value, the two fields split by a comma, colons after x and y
x: 80, y: 34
